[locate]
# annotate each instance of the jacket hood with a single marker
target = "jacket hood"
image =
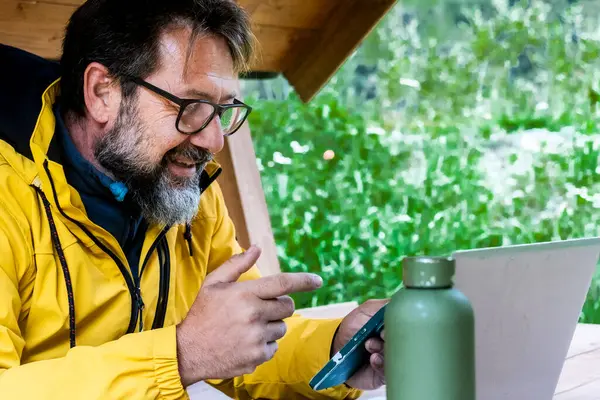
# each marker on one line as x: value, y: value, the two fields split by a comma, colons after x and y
x: 24, y: 79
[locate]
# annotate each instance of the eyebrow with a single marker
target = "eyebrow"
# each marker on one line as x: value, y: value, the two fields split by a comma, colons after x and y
x: 207, y: 96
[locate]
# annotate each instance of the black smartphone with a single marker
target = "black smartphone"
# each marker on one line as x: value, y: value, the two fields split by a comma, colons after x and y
x: 351, y: 357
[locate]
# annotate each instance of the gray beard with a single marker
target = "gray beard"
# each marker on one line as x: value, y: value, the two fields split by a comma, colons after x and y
x: 162, y: 203
x: 163, y: 199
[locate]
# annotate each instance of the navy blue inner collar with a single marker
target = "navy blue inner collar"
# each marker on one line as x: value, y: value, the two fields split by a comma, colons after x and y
x: 107, y: 201
x: 90, y: 180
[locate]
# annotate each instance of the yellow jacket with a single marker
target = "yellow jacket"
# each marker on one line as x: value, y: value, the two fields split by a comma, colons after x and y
x: 50, y: 253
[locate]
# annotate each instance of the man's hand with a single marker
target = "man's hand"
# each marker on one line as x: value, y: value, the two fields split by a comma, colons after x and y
x: 232, y: 326
x: 372, y: 375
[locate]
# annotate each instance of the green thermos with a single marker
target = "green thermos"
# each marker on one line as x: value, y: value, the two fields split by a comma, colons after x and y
x: 429, y: 335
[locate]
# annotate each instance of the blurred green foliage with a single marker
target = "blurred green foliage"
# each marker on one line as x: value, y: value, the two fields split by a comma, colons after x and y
x: 452, y: 127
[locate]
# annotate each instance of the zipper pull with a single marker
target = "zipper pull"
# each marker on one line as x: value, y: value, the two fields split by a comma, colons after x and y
x: 140, y: 306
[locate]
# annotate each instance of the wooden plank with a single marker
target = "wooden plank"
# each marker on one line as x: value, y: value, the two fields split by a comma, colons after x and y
x: 587, y: 391
x: 346, y: 27
x: 72, y: 3
x: 303, y: 14
x: 580, y: 377
x: 277, y: 46
x: 36, y: 27
x: 588, y: 340
x: 249, y: 5
x: 311, y: 13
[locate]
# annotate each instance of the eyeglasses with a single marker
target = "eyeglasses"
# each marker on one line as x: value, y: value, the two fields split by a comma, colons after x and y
x: 195, y: 115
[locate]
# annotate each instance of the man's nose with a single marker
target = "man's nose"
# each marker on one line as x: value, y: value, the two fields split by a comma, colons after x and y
x: 211, y: 137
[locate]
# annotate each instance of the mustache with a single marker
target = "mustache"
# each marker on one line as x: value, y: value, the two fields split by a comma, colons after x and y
x: 190, y: 152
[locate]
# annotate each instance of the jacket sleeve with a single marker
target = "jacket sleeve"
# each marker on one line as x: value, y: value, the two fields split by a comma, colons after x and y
x: 302, y: 352
x: 137, y: 366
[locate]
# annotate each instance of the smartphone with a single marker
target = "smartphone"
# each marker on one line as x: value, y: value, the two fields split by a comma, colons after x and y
x: 351, y: 357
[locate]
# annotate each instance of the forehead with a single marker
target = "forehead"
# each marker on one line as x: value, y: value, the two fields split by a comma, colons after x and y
x: 202, y: 64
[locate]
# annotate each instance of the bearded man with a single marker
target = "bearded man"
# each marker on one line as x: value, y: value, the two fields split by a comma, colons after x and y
x: 120, y: 274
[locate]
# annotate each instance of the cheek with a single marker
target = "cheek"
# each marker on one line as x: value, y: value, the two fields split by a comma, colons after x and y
x: 158, y: 123
x: 158, y: 133
x: 160, y: 137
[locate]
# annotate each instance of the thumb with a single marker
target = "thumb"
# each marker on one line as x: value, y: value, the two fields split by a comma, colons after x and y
x: 232, y: 269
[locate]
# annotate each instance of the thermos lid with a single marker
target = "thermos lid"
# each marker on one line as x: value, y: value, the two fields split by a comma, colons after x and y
x: 428, y: 272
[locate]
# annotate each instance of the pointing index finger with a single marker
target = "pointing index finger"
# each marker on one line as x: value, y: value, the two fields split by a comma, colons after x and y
x: 283, y: 284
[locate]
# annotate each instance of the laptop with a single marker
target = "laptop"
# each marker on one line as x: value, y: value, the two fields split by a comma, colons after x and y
x: 527, y: 301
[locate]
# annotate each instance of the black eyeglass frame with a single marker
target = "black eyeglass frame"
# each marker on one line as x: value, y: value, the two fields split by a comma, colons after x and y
x: 183, y: 103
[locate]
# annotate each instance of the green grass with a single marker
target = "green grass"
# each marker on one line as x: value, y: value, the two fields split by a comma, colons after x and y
x: 434, y: 161
x: 591, y: 309
x: 352, y: 218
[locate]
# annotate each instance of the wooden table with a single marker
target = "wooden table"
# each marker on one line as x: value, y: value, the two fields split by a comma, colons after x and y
x: 579, y: 380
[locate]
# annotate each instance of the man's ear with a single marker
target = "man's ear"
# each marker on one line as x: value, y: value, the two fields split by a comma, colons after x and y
x: 101, y: 93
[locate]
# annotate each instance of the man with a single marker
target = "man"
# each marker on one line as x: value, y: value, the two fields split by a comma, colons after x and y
x: 120, y: 275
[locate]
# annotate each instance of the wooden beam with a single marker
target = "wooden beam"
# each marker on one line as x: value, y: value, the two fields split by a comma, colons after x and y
x: 344, y: 30
x: 300, y: 14
x: 249, y: 5
x: 245, y: 198
x: 228, y: 181
x: 39, y: 26
x: 74, y: 3
x: 277, y: 46
x: 33, y: 26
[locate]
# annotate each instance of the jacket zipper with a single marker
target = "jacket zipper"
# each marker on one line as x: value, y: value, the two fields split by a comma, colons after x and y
x: 162, y: 277
x: 163, y: 295
x: 136, y: 298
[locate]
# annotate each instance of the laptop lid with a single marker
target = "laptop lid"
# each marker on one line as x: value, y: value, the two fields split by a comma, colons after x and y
x: 527, y: 301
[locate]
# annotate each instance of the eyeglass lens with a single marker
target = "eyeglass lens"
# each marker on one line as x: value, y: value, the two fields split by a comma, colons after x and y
x: 196, y: 115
